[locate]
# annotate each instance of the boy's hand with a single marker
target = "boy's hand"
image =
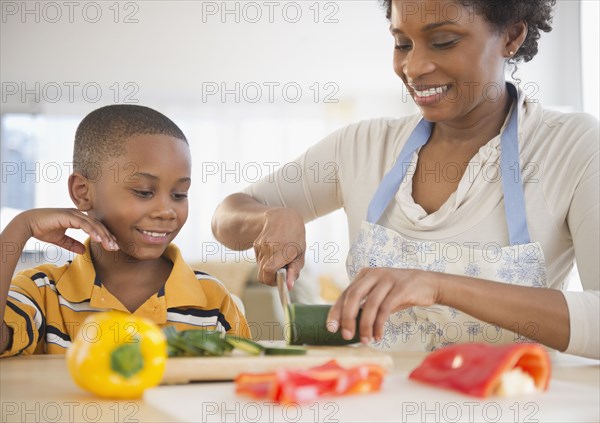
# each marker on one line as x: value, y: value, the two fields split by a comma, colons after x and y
x: 50, y: 225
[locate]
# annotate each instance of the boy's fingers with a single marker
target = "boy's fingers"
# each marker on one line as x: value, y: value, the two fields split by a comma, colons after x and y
x: 97, y: 231
x: 88, y: 227
x: 109, y: 242
x: 71, y: 244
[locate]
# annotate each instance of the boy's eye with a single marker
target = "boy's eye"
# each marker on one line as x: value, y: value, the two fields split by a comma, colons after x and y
x: 142, y: 193
x: 180, y: 196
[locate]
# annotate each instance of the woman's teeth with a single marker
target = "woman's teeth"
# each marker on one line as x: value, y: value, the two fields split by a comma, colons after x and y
x: 431, y: 91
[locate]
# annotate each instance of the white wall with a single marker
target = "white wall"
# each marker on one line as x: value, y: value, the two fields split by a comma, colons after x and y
x: 590, y: 46
x: 169, y: 53
x: 554, y: 76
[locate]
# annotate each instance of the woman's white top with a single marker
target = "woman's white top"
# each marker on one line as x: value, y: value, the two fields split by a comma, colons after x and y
x: 559, y: 159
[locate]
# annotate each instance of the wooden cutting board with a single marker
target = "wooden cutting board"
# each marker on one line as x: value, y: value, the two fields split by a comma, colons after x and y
x: 192, y: 369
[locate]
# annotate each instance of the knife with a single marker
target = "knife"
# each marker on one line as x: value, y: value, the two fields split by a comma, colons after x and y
x: 284, y: 295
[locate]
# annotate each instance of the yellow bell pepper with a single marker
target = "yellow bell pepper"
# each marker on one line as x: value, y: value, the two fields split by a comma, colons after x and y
x: 117, y: 355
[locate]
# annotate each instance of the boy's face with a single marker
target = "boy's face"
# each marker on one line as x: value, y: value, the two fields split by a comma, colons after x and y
x: 141, y: 196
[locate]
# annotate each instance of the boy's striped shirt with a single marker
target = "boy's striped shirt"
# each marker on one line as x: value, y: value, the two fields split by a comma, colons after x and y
x: 47, y: 305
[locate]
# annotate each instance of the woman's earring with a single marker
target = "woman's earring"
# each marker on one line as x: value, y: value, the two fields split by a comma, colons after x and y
x: 511, y: 53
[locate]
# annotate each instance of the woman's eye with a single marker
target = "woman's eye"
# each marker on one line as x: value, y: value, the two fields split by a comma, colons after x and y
x: 402, y: 47
x: 445, y: 44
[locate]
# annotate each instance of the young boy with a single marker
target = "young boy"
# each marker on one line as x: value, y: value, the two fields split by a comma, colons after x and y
x: 131, y: 176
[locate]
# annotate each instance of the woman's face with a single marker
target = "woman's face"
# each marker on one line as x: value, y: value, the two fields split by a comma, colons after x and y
x: 450, y: 59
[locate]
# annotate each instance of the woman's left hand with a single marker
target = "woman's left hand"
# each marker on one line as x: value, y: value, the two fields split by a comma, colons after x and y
x: 381, y: 291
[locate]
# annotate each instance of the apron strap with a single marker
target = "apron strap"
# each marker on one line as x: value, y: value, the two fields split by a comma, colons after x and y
x: 512, y: 182
x: 393, y: 179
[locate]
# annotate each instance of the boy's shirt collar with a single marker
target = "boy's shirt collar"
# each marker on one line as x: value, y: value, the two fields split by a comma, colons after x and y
x: 182, y: 287
x: 79, y: 284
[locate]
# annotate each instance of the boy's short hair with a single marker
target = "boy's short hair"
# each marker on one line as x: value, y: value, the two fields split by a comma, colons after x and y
x: 103, y: 132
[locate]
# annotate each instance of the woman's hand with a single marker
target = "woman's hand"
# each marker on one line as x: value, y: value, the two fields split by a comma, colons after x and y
x: 281, y: 243
x: 381, y: 291
x: 50, y: 225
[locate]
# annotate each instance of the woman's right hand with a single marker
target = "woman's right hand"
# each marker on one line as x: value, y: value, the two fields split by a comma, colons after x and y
x: 50, y: 225
x: 281, y: 243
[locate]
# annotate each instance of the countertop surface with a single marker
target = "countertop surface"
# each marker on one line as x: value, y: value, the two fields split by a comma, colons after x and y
x: 39, y: 388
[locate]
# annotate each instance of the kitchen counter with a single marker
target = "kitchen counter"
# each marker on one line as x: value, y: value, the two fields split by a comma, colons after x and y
x: 39, y: 388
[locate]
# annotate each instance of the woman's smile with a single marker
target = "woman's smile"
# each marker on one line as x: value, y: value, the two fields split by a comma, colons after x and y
x: 429, y: 95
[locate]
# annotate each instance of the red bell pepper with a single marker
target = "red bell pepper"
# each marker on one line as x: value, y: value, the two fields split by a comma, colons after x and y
x: 476, y: 369
x: 298, y: 386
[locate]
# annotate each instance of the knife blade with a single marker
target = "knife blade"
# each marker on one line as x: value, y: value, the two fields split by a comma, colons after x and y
x: 284, y: 295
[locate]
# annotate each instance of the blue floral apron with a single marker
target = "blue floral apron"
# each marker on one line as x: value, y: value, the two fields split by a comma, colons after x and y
x: 521, y: 263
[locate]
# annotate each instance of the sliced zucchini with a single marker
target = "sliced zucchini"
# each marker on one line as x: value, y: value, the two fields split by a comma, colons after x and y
x: 285, y: 351
x: 243, y: 344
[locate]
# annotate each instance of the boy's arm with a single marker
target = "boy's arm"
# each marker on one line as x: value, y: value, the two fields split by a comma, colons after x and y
x: 12, y: 241
x: 6, y: 337
x: 46, y: 225
x: 234, y: 316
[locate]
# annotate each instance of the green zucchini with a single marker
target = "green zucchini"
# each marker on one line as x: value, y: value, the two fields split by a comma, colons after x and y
x: 243, y: 344
x: 306, y: 325
x: 200, y: 342
x: 285, y: 351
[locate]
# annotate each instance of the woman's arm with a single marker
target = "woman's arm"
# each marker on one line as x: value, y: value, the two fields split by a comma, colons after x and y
x: 270, y: 214
x: 537, y: 313
x: 238, y: 220
x: 276, y: 233
x: 584, y: 225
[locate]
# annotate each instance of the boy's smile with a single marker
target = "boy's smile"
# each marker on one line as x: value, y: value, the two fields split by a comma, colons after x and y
x: 141, y: 196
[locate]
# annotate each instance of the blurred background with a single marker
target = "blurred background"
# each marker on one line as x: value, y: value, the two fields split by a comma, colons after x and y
x: 251, y: 84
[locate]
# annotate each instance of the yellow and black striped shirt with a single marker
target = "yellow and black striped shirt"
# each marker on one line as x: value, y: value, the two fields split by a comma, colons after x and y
x: 48, y: 304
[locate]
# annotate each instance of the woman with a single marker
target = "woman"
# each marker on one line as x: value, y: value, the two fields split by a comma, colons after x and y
x: 466, y: 219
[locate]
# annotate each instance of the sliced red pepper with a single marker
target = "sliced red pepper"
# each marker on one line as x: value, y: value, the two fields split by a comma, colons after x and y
x: 476, y: 369
x: 257, y: 385
x: 308, y: 385
x: 371, y: 381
